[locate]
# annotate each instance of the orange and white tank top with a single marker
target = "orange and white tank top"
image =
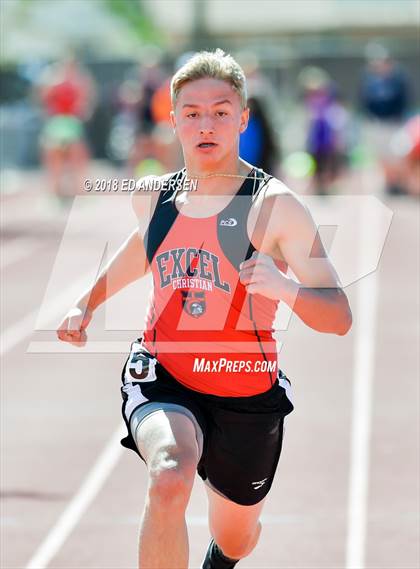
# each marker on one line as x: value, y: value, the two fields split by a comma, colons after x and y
x: 201, y: 324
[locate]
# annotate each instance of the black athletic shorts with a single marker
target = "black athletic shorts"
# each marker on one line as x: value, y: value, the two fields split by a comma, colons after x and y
x: 242, y: 435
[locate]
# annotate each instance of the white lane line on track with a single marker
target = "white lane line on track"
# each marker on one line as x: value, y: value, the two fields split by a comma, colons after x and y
x: 81, y: 501
x: 24, y: 327
x: 365, y: 337
x: 17, y: 250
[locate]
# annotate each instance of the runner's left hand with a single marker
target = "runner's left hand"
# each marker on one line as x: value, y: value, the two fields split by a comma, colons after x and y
x: 260, y: 275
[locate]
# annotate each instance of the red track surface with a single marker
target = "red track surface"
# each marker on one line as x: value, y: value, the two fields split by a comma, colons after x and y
x: 59, y: 410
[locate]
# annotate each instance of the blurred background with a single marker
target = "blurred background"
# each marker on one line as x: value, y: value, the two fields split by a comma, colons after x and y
x: 333, y: 86
x: 334, y: 91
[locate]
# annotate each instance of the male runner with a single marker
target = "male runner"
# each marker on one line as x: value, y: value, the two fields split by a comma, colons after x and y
x: 201, y: 389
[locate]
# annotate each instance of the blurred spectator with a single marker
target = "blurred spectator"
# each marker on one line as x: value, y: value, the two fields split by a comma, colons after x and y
x: 405, y: 166
x: 67, y: 94
x: 384, y: 98
x: 123, y: 129
x: 257, y: 144
x: 328, y: 127
x: 384, y: 90
x: 260, y: 144
x: 143, y: 121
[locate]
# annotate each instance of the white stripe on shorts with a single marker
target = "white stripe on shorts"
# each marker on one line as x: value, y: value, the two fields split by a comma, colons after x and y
x: 287, y: 387
x: 135, y: 398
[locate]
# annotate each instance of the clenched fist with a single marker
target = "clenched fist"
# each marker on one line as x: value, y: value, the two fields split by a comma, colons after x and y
x: 260, y: 275
x: 73, y: 327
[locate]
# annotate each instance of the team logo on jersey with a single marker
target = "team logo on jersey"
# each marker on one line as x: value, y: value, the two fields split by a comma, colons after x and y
x: 190, y: 268
x: 194, y: 303
x: 230, y: 222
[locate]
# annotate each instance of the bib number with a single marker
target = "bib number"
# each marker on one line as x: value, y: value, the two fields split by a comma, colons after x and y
x: 141, y: 365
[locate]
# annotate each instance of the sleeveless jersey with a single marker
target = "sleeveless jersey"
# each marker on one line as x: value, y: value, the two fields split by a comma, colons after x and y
x: 201, y: 324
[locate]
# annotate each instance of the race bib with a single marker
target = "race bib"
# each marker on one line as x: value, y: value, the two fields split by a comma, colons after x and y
x: 141, y: 365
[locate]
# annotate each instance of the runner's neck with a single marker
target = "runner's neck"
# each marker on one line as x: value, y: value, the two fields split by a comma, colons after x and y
x: 220, y: 181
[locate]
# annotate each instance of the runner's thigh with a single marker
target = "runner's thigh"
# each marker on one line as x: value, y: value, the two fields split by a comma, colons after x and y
x: 228, y: 519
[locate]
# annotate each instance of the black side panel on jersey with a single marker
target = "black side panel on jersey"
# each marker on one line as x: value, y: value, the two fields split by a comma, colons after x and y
x: 232, y: 221
x: 164, y: 215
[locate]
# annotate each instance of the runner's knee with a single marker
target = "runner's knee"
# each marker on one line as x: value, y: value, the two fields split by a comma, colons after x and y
x: 171, y: 476
x: 239, y: 545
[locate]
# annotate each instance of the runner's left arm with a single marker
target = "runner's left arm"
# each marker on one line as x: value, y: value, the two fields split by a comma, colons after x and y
x: 316, y: 295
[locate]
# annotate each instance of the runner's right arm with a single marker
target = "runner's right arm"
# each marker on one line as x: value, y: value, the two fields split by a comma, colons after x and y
x: 127, y: 265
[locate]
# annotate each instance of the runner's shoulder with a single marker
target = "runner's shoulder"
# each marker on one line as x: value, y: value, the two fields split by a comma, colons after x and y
x: 284, y: 212
x: 148, y: 189
x: 281, y: 198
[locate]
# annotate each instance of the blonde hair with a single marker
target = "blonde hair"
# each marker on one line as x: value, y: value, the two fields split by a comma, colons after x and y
x: 215, y: 65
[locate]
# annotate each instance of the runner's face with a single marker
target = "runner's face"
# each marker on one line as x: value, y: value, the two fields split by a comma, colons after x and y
x: 208, y: 119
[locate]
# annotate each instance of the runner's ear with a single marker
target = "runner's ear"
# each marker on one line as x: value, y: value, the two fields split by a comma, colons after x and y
x: 244, y: 120
x: 173, y: 120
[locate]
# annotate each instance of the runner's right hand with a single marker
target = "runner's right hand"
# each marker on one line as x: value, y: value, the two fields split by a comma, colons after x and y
x: 73, y: 326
